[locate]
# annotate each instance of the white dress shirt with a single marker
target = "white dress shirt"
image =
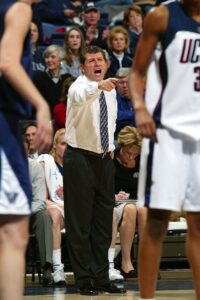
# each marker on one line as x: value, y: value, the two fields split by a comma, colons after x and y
x: 83, y: 115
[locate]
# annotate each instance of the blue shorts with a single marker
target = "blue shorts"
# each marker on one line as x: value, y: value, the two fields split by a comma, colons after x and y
x: 15, y: 188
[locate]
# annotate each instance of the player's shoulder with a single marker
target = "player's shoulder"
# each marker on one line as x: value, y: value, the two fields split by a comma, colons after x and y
x: 162, y: 11
x: 157, y: 13
x: 157, y: 19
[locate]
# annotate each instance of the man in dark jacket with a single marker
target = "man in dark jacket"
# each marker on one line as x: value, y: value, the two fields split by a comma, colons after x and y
x: 57, y: 11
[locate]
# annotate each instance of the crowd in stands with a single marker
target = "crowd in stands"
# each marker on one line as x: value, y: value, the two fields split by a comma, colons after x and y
x: 60, y: 29
x: 57, y: 39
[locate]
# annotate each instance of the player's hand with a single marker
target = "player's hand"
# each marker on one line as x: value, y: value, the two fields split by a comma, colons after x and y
x: 145, y: 124
x: 44, y: 128
x: 108, y: 84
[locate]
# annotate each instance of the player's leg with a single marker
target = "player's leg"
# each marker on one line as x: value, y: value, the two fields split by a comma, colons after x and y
x: 13, y: 242
x: 162, y: 188
x: 192, y: 248
x: 150, y: 248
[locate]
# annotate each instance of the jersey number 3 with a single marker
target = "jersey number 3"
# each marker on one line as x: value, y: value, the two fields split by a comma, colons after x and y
x: 197, y: 82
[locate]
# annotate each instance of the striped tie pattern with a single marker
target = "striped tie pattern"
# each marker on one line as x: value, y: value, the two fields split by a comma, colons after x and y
x: 103, y: 122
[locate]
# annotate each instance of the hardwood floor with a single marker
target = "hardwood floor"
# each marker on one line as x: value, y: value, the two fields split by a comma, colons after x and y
x: 173, y: 285
x: 130, y: 295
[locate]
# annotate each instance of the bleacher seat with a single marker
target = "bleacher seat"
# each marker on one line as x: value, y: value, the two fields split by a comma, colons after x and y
x: 49, y: 29
x: 58, y: 39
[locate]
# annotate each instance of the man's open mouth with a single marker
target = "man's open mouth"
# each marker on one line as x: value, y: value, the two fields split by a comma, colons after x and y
x: 97, y: 72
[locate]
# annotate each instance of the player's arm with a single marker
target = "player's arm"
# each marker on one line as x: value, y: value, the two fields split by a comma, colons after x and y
x: 16, y: 26
x: 154, y: 27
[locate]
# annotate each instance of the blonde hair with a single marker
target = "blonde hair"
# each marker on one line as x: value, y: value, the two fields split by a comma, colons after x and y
x: 129, y: 136
x: 115, y: 30
x: 58, y: 133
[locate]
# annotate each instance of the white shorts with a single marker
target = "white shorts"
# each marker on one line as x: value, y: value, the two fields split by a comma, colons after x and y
x: 169, y: 175
x: 15, y: 188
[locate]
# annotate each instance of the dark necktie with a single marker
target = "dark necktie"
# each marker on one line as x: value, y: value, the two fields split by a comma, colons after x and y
x: 103, y: 122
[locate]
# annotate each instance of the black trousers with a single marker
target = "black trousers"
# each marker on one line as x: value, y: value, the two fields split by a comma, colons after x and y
x: 89, y: 203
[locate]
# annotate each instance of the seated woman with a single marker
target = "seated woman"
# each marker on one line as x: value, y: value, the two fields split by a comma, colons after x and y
x: 38, y: 63
x: 50, y: 82
x: 118, y: 44
x: 52, y: 164
x: 133, y: 22
x: 126, y: 161
x: 73, y: 43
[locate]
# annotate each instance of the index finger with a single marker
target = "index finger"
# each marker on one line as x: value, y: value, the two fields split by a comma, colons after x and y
x: 114, y: 80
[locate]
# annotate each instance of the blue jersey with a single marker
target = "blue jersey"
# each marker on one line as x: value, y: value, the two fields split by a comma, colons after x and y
x: 15, y: 191
x: 174, y: 75
x: 10, y: 100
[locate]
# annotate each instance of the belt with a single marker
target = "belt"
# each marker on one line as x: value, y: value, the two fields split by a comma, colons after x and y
x: 89, y: 153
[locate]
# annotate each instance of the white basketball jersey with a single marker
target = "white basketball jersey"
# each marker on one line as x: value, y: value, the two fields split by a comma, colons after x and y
x: 173, y: 82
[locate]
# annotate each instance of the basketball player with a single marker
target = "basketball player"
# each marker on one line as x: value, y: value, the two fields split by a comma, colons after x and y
x: 170, y: 176
x: 15, y: 87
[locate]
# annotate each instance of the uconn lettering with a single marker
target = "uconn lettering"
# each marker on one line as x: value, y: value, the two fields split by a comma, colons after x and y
x: 190, y: 51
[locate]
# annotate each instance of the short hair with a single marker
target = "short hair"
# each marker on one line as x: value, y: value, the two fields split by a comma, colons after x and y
x: 29, y: 124
x: 91, y: 50
x: 129, y: 136
x: 123, y: 72
x: 54, y: 48
x: 115, y: 30
x: 127, y: 12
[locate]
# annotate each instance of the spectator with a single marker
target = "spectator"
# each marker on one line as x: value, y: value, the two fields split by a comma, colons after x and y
x: 38, y: 63
x: 94, y: 33
x: 73, y: 43
x: 53, y: 168
x: 30, y: 133
x: 118, y: 43
x: 50, y: 82
x: 60, y: 109
x: 125, y: 111
x: 36, y: 20
x: 56, y: 11
x: 40, y: 221
x: 133, y: 20
x: 126, y: 161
